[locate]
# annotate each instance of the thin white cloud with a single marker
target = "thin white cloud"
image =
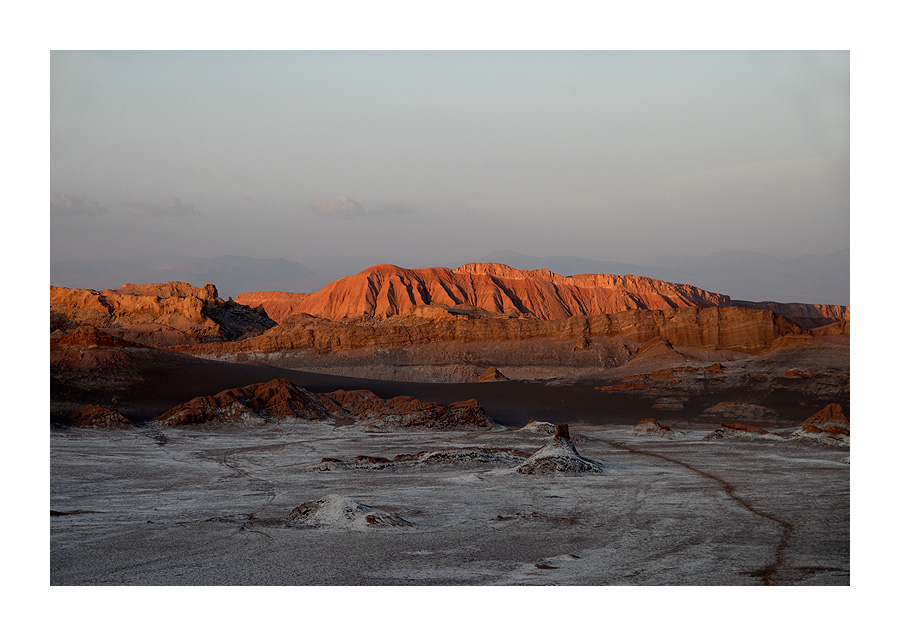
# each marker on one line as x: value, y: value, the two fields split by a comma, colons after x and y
x: 171, y: 207
x: 338, y: 208
x: 348, y: 209
x: 394, y: 209
x: 65, y: 205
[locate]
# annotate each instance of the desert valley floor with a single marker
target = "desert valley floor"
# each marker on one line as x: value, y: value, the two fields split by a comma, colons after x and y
x: 211, y: 505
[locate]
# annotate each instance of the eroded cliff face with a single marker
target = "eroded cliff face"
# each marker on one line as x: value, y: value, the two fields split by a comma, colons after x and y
x: 277, y: 305
x: 164, y: 314
x: 386, y: 290
x: 732, y: 328
x: 805, y: 315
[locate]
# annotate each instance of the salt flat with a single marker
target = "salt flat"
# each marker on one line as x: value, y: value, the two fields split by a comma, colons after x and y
x: 178, y: 506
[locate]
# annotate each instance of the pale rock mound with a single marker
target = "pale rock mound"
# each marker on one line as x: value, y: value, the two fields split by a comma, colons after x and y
x: 558, y: 456
x: 492, y: 375
x: 95, y: 416
x: 828, y: 426
x: 335, y: 511
x: 739, y: 430
x: 649, y: 427
x: 544, y: 429
x: 538, y: 428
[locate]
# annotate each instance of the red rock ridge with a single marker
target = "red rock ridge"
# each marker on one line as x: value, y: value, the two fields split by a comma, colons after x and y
x: 386, y: 290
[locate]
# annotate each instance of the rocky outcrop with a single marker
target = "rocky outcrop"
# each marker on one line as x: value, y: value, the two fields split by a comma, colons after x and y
x: 405, y: 412
x: 492, y: 375
x: 739, y: 430
x: 276, y: 400
x: 649, y: 427
x: 828, y: 426
x: 386, y: 290
x: 96, y: 416
x: 336, y: 511
x: 558, y: 456
x: 281, y: 399
x: 164, y: 314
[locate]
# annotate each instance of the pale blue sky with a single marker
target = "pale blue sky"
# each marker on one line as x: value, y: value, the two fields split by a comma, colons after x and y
x: 342, y: 160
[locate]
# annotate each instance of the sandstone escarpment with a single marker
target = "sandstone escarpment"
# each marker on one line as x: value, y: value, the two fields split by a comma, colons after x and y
x: 387, y: 290
x: 164, y: 314
x: 806, y: 315
x: 731, y: 328
x: 438, y: 293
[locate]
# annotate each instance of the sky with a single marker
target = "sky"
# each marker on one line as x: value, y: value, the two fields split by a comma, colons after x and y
x: 341, y: 160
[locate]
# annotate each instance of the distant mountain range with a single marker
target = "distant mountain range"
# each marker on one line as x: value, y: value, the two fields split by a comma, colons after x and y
x: 232, y: 275
x: 741, y: 275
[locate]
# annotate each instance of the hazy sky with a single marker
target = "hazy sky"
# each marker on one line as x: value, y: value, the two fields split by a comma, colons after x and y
x: 343, y: 160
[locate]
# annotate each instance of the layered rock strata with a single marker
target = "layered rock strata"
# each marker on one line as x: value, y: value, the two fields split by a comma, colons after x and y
x: 732, y: 328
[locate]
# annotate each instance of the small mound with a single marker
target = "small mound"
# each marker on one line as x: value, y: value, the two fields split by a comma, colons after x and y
x: 335, y: 511
x: 828, y: 426
x: 831, y: 415
x: 465, y: 455
x: 558, y: 456
x: 740, y: 430
x: 649, y: 427
x: 95, y: 416
x: 538, y: 428
x: 492, y: 375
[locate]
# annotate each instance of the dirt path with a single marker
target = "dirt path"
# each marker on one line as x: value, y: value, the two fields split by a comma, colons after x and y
x: 766, y: 573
